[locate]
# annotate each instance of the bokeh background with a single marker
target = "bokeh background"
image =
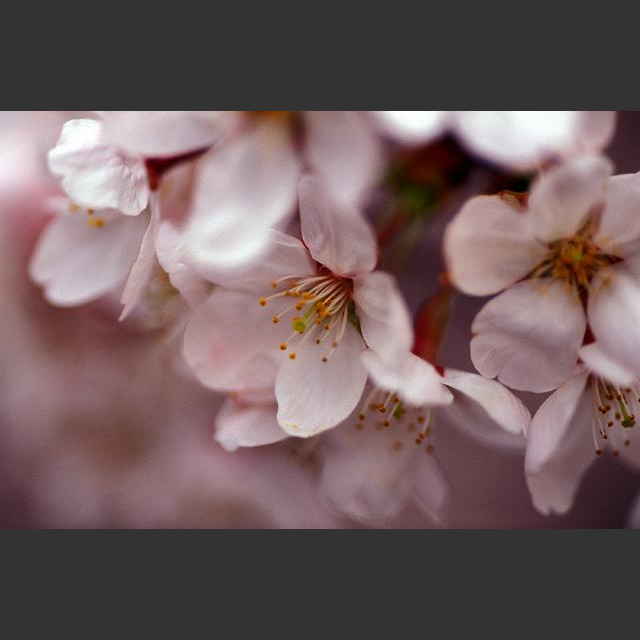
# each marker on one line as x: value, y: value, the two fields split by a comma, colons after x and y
x: 102, y: 427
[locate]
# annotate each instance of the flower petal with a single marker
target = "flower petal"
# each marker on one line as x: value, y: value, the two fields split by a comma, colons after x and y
x: 383, y: 314
x: 614, y: 315
x: 243, y: 189
x: 560, y: 447
x: 313, y: 395
x: 142, y: 268
x: 523, y: 139
x: 344, y: 151
x: 230, y: 344
x: 413, y: 379
x: 619, y: 230
x: 489, y: 246
x: 487, y: 410
x: 528, y: 337
x: 161, y: 134
x: 282, y: 255
x: 76, y: 262
x: 95, y: 174
x: 170, y: 252
x: 600, y: 363
x: 239, y: 425
x: 412, y: 127
x: 562, y: 197
x: 337, y: 235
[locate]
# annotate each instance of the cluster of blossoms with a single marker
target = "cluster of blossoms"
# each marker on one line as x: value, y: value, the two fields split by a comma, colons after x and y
x: 245, y: 236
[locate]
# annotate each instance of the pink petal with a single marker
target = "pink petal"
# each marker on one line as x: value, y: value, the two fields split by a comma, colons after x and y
x: 614, y: 315
x: 384, y: 317
x: 96, y: 175
x: 412, y: 127
x: 170, y: 252
x: 243, y: 189
x: 487, y: 410
x: 600, y: 363
x: 76, y: 262
x: 344, y: 151
x: 528, y: 337
x: 562, y: 198
x: 282, y: 255
x: 239, y: 425
x: 413, y: 379
x: 560, y: 447
x: 523, y: 139
x: 619, y: 230
x: 143, y: 267
x: 230, y: 342
x: 336, y: 235
x: 313, y: 395
x: 164, y: 133
x: 489, y: 246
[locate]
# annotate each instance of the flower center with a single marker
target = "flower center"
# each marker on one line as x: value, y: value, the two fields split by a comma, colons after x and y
x: 575, y: 260
x: 92, y: 220
x: 405, y: 425
x: 614, y: 412
x: 323, y: 306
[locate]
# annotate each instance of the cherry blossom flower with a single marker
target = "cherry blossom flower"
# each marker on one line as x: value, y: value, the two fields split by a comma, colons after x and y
x: 594, y: 411
x: 383, y: 456
x: 249, y: 184
x: 315, y: 308
x: 111, y: 236
x: 519, y: 140
x: 573, y: 248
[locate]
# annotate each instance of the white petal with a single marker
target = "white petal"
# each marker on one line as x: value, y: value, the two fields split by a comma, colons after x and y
x: 560, y: 447
x: 230, y: 342
x: 170, y: 252
x: 76, y: 262
x: 282, y: 255
x: 523, y: 139
x: 412, y: 127
x: 413, y: 379
x: 489, y: 246
x: 562, y: 197
x: 313, y: 395
x: 487, y: 410
x: 143, y: 267
x: 619, y: 231
x: 163, y: 133
x: 384, y: 317
x: 344, y: 151
x: 600, y: 363
x: 243, y: 189
x: 338, y: 236
x: 528, y: 337
x: 239, y: 425
x: 97, y: 175
x: 614, y: 315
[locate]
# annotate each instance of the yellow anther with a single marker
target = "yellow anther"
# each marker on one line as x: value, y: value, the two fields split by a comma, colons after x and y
x: 292, y: 356
x: 283, y: 346
x: 263, y: 302
x: 275, y: 319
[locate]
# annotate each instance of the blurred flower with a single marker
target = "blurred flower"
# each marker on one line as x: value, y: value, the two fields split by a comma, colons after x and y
x: 520, y: 140
x: 575, y: 245
x: 248, y: 185
x: 384, y: 454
